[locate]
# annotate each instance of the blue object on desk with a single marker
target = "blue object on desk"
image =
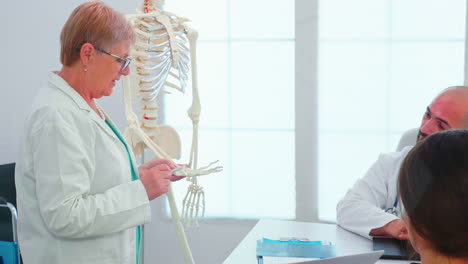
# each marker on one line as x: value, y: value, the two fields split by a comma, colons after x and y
x: 293, y: 241
x: 294, y: 248
x: 8, y: 252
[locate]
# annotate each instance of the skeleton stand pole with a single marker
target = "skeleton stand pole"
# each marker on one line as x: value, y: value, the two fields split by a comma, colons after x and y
x: 142, y: 242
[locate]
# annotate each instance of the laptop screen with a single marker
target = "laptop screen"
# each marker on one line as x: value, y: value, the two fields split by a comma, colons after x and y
x: 394, y: 249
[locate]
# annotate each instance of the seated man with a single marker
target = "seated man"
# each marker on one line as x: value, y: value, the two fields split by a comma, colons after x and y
x: 371, y: 207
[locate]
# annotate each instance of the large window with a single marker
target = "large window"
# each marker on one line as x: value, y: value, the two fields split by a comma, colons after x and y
x: 380, y: 64
x: 246, y: 80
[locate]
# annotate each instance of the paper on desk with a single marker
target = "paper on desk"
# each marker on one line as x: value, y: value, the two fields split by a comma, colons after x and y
x: 365, y: 258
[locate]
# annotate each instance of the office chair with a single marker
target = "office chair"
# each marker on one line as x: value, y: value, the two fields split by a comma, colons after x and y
x: 9, y: 250
x: 409, y: 138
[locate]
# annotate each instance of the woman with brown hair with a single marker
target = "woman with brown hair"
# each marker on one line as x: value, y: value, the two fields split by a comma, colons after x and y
x: 81, y: 197
x: 433, y: 186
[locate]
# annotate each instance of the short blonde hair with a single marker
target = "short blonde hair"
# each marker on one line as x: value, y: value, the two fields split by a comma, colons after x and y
x: 96, y: 23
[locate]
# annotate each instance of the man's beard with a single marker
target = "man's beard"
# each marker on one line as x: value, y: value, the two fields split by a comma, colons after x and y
x: 421, y: 136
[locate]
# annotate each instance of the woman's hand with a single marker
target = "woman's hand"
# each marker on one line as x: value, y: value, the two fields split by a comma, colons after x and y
x: 154, y: 162
x: 156, y: 176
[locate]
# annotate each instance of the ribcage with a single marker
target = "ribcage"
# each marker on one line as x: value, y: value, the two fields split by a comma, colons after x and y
x: 157, y: 63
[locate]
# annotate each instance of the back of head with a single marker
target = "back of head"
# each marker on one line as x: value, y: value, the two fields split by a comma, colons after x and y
x: 433, y: 186
x: 96, y: 23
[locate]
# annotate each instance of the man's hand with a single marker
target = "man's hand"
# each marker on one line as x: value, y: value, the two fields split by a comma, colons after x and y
x: 395, y: 229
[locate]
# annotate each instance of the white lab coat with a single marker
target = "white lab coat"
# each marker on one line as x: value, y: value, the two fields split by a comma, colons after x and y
x: 363, y: 207
x: 76, y: 200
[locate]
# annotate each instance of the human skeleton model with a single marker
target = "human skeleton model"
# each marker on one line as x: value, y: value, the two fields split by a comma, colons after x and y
x: 161, y: 55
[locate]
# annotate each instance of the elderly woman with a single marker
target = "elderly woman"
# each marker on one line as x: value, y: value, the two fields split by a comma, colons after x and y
x: 81, y: 198
x: 433, y: 186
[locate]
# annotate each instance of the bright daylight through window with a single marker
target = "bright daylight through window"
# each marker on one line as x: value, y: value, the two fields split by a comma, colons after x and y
x: 379, y: 67
x: 246, y: 83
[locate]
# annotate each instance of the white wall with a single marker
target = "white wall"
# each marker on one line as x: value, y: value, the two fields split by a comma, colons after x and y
x: 30, y: 50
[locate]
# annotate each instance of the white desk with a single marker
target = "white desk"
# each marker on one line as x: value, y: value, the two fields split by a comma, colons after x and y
x: 346, y: 243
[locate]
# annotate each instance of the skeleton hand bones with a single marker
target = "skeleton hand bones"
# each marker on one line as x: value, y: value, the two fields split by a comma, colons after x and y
x: 195, y: 196
x: 190, y: 173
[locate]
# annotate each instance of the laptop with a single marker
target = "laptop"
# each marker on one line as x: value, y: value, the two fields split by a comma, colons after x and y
x: 365, y: 258
x: 394, y: 248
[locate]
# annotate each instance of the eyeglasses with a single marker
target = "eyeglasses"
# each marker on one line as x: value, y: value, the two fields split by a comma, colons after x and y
x: 126, y: 61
